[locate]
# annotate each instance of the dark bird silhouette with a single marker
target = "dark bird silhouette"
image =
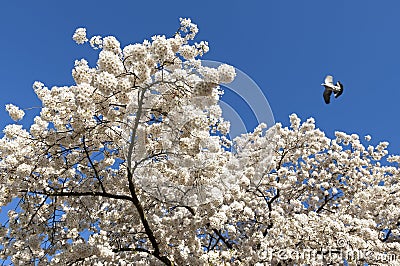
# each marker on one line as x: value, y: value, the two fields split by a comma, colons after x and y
x: 330, y: 87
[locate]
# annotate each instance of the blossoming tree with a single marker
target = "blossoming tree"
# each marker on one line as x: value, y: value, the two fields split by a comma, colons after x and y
x: 132, y: 166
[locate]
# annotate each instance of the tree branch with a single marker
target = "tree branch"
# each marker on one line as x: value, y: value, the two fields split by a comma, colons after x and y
x: 226, y: 242
x: 134, y: 129
x: 96, y: 174
x: 145, y: 223
x: 78, y: 194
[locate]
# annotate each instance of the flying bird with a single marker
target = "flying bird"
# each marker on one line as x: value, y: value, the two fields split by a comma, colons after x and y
x: 330, y: 87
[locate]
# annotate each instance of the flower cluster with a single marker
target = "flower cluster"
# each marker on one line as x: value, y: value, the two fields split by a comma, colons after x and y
x: 14, y: 112
x: 80, y: 36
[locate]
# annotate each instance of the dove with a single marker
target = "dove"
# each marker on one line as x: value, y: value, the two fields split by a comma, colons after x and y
x: 330, y: 87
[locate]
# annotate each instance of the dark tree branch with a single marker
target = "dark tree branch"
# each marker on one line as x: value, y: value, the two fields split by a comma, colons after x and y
x: 96, y: 173
x: 78, y: 194
x: 221, y: 237
x: 326, y: 200
x: 145, y: 223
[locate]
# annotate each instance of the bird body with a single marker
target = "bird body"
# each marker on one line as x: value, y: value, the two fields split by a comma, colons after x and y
x: 330, y: 87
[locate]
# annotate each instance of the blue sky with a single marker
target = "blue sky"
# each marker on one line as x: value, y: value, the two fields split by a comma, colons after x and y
x: 286, y: 47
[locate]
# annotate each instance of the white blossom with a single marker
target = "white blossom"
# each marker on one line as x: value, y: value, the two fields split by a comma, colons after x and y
x: 226, y: 73
x: 135, y: 52
x: 80, y: 36
x: 96, y: 42
x: 188, y: 52
x: 110, y: 43
x: 14, y: 112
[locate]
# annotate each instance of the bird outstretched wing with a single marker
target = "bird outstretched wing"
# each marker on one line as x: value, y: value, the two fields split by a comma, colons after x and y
x: 338, y: 93
x: 327, y: 95
x: 329, y: 79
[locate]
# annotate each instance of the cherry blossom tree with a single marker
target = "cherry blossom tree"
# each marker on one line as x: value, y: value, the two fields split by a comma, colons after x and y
x: 132, y: 165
